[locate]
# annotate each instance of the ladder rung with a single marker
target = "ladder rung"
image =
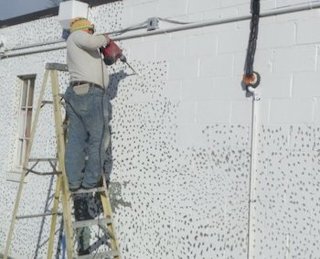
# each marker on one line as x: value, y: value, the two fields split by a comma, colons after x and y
x: 24, y: 138
x: 91, y: 222
x: 42, y: 173
x: 47, y: 173
x: 34, y: 159
x: 37, y: 215
x: 47, y: 102
x: 56, y: 66
x: 50, y: 102
x: 100, y: 255
x: 99, y: 189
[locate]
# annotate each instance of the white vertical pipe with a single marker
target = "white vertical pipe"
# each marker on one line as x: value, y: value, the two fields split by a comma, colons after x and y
x: 253, y: 169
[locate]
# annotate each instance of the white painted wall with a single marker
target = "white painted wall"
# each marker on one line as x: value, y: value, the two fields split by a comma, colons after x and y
x: 181, y: 132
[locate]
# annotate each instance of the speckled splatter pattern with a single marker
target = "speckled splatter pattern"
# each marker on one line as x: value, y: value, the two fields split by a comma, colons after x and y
x: 35, y: 192
x: 288, y: 185
x: 172, y: 198
x: 189, y: 202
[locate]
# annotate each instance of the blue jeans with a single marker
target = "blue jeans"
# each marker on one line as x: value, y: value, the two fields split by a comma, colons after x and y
x: 85, y: 152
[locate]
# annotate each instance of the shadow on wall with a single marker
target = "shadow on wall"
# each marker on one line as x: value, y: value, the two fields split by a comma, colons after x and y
x: 115, y: 187
x: 111, y: 93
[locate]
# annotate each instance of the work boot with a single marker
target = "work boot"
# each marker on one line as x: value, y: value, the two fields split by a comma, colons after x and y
x: 81, y: 207
x: 84, y: 251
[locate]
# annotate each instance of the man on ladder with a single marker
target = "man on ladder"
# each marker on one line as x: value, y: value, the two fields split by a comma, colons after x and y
x: 85, y: 149
x: 85, y: 153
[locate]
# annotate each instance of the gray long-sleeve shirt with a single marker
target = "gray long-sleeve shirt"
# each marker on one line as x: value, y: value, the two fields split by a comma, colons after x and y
x: 84, y: 59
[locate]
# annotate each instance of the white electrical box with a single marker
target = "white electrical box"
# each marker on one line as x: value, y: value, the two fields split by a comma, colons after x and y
x: 69, y: 10
x: 2, y: 44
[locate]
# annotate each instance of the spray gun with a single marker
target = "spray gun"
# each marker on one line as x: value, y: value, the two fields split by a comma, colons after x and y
x: 112, y: 52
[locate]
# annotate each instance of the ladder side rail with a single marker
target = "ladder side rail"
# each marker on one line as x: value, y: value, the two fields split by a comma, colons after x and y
x: 66, y: 197
x: 107, y: 208
x: 54, y: 212
x: 107, y: 211
x: 25, y: 164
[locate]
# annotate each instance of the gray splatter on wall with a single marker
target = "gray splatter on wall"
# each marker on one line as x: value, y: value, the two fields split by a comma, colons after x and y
x: 288, y: 192
x: 189, y: 202
x: 29, y: 232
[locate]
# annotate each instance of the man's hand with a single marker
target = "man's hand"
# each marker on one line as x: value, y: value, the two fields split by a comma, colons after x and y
x: 107, y: 37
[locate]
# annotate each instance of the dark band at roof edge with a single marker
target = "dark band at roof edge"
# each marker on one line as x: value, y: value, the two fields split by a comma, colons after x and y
x: 46, y: 13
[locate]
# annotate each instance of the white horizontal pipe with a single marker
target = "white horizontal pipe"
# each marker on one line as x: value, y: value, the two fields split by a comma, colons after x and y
x: 40, y: 44
x: 34, y: 45
x: 219, y: 22
x: 195, y: 25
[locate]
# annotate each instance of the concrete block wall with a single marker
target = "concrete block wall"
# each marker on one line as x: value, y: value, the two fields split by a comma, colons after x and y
x: 182, y: 131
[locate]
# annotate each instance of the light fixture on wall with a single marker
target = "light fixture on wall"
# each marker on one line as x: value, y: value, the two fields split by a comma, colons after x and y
x: 2, y: 45
x: 152, y: 23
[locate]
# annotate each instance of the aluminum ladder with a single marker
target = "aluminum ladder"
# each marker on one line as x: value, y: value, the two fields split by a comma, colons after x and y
x: 62, y: 194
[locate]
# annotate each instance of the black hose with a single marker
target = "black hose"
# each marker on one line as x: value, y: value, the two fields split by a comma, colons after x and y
x: 252, y: 44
